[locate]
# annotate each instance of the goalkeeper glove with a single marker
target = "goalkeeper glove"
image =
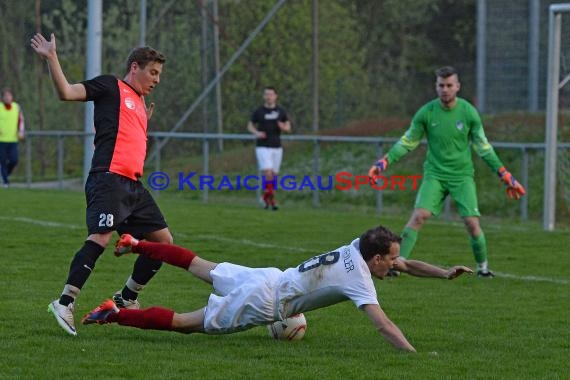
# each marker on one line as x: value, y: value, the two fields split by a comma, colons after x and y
x: 378, y: 167
x: 514, y: 189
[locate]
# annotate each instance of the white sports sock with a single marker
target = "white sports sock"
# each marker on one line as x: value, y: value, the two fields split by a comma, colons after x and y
x: 482, y: 266
x: 133, y: 285
x: 71, y: 291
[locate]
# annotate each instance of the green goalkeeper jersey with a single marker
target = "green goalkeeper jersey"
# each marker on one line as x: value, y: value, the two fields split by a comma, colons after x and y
x: 449, y: 133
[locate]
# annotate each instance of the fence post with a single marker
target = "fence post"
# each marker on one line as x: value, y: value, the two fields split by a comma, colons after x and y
x: 379, y: 195
x: 316, y: 154
x: 524, y: 181
x: 206, y: 165
x: 157, y: 154
x: 29, y: 161
x: 60, y: 161
x: 157, y: 160
x: 258, y: 189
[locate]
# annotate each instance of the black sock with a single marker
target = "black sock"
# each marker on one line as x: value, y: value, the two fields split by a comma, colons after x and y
x: 66, y: 300
x: 128, y: 294
x: 81, y: 267
x: 143, y: 271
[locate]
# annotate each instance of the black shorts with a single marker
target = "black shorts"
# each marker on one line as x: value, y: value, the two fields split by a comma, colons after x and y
x: 117, y: 203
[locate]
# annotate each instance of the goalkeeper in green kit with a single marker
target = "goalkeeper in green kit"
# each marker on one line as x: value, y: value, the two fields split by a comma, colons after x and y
x: 450, y: 124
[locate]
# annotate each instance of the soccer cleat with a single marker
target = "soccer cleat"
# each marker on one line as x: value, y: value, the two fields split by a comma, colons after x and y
x: 125, y: 245
x: 100, y: 314
x: 274, y: 207
x: 125, y: 304
x: 485, y: 273
x: 64, y: 316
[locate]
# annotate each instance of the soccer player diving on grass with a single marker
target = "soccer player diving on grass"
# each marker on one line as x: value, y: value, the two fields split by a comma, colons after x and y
x: 450, y: 125
x: 247, y: 297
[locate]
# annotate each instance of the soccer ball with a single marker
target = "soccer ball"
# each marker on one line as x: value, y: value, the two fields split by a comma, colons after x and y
x: 292, y: 328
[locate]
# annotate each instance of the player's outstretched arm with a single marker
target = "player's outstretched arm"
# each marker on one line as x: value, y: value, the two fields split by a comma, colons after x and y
x: 407, y: 143
x: 481, y: 145
x: 421, y: 269
x: 47, y: 50
x: 387, y: 328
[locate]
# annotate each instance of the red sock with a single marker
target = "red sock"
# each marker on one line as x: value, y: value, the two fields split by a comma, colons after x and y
x: 269, y: 187
x: 168, y: 253
x: 265, y: 196
x: 153, y: 318
x: 271, y: 193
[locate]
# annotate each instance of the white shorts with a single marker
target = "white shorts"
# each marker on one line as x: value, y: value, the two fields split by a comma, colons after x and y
x: 269, y: 158
x: 245, y: 298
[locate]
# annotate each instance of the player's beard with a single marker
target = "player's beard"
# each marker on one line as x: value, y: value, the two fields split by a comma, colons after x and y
x: 447, y: 100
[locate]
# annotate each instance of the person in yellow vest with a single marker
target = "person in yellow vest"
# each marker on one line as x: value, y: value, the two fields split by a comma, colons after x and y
x: 11, y: 130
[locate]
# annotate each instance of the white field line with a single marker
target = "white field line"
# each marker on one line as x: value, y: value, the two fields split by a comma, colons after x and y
x: 533, y: 278
x: 251, y: 243
x: 43, y: 223
x: 248, y: 242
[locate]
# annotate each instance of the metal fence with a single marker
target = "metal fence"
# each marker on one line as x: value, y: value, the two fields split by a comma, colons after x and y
x: 512, y: 47
x: 64, y: 141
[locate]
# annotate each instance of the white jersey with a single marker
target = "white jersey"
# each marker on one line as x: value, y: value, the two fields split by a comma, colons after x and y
x: 247, y: 297
x: 325, y: 280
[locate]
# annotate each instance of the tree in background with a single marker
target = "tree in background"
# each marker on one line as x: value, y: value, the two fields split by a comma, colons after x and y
x: 376, y: 56
x: 405, y: 40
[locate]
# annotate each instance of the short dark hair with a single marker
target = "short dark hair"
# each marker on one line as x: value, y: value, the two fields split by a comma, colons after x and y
x: 271, y: 88
x: 5, y: 90
x: 143, y: 55
x: 446, y: 72
x: 377, y: 241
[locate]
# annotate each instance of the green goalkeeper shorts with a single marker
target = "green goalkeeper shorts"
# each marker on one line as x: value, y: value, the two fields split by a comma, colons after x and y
x: 432, y: 193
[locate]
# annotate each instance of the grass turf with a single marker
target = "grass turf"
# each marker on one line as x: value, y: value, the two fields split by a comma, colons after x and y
x: 508, y: 327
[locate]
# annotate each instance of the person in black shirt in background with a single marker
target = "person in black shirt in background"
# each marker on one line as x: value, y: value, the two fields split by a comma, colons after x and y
x: 267, y: 122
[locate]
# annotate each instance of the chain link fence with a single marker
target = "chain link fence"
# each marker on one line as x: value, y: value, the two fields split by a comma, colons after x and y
x: 515, y: 51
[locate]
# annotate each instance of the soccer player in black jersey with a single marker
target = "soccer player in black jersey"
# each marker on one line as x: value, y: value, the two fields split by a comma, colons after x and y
x: 266, y: 123
x: 116, y: 199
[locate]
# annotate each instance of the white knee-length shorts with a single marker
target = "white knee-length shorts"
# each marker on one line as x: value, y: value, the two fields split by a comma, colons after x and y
x: 269, y: 158
x: 245, y: 297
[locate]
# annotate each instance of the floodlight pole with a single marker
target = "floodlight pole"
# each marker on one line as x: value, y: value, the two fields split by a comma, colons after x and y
x: 553, y: 88
x: 533, y: 53
x: 93, y: 68
x: 481, y: 55
x: 315, y: 85
x: 142, y: 21
x: 219, y: 115
x: 204, y: 62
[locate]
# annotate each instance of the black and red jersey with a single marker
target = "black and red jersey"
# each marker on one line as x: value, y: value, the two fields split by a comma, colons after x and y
x: 265, y: 120
x: 120, y: 127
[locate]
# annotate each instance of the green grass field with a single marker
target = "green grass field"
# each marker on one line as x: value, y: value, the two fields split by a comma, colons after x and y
x: 514, y: 326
